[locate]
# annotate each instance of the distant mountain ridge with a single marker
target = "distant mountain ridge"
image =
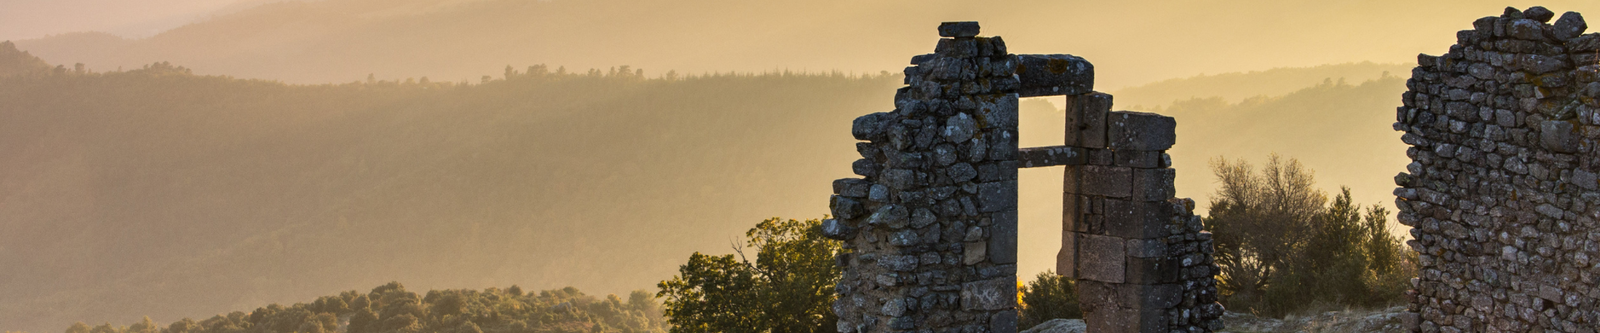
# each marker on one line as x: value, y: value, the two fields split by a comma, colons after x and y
x: 1235, y: 87
x: 16, y: 62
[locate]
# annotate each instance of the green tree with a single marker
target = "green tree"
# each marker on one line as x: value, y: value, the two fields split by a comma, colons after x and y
x: 1048, y: 296
x: 78, y: 327
x: 789, y: 288
x: 1283, y: 247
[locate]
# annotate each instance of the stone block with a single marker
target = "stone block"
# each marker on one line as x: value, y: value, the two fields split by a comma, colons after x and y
x: 1137, y: 219
x: 1003, y: 237
x: 1110, y: 181
x: 1558, y: 136
x: 1090, y: 112
x: 1149, y: 271
x: 1003, y: 322
x: 1067, y: 258
x: 1147, y: 248
x: 975, y: 252
x: 1127, y: 130
x: 1144, y: 159
x: 989, y: 295
x: 835, y: 229
x: 1103, y: 258
x: 1053, y: 75
x: 958, y: 29
x: 997, y: 196
x: 1051, y: 156
x: 1153, y: 184
x: 999, y: 113
x: 1571, y: 25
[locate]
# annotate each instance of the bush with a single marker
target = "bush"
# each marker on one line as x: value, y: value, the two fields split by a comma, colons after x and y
x: 1283, y: 247
x: 788, y: 289
x: 1048, y: 296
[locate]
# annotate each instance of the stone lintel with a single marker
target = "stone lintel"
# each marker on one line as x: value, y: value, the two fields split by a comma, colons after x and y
x: 1035, y: 157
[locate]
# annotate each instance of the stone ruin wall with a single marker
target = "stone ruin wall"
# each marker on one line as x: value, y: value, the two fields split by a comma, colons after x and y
x: 1502, y: 195
x: 932, y: 224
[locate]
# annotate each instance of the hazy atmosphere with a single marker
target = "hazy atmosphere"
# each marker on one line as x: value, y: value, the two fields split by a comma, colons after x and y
x: 213, y: 156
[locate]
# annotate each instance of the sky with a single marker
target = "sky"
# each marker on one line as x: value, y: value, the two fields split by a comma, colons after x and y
x: 1131, y: 43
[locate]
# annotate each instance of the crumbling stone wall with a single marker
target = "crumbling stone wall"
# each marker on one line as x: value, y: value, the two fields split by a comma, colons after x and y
x: 932, y: 225
x: 1502, y: 195
x: 1142, y: 260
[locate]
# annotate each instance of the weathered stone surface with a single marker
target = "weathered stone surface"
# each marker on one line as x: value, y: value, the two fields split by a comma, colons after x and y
x: 958, y: 29
x: 1136, y: 219
x: 1116, y: 182
x: 1128, y: 130
x: 993, y: 294
x: 1153, y: 184
x: 833, y: 228
x: 997, y: 196
x: 1051, y: 156
x: 1559, y: 136
x: 1003, y: 237
x: 1104, y: 259
x: 1053, y: 74
x: 1090, y: 112
x: 1570, y: 26
x: 1501, y: 192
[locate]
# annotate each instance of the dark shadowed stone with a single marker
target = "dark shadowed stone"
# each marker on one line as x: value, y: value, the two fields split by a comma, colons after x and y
x: 997, y: 196
x: 1128, y: 130
x: 870, y: 126
x: 1090, y: 112
x: 1003, y: 322
x: 962, y: 172
x: 1152, y: 270
x: 1559, y: 136
x: 1526, y: 29
x: 1137, y: 219
x: 960, y: 128
x: 833, y: 228
x: 1538, y: 13
x: 958, y: 29
x: 1053, y: 74
x: 1570, y: 26
x: 844, y: 207
x: 1512, y: 13
x: 1003, y: 237
x: 1051, y: 156
x: 989, y: 295
x: 894, y: 216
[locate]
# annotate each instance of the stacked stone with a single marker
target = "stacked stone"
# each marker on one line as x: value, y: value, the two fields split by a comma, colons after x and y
x: 1502, y: 194
x: 1142, y: 261
x: 932, y: 225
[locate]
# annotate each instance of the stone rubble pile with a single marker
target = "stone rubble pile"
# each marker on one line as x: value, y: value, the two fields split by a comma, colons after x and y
x: 1502, y: 194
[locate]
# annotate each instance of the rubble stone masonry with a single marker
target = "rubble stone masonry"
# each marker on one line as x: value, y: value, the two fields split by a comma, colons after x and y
x: 931, y: 227
x: 1502, y: 194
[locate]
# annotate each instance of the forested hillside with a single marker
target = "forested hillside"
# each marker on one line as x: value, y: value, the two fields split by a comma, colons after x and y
x: 392, y: 308
x: 157, y: 192
x: 154, y: 191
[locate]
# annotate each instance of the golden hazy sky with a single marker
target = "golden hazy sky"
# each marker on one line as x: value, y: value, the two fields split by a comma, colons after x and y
x: 1130, y: 42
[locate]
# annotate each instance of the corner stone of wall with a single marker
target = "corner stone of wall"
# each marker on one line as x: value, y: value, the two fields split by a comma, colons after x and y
x: 931, y: 226
x: 1502, y: 194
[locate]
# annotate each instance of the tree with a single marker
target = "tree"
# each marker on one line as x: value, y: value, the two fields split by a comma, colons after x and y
x: 78, y: 327
x: 1283, y: 247
x: 1048, y: 296
x: 789, y: 288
